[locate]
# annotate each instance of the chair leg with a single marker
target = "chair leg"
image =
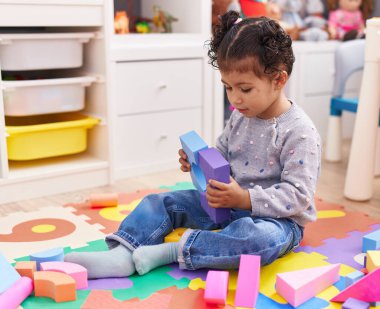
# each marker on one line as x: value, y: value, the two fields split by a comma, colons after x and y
x: 377, y: 158
x: 333, y: 147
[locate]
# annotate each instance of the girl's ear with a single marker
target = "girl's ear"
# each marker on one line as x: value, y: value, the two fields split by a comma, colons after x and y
x: 280, y: 79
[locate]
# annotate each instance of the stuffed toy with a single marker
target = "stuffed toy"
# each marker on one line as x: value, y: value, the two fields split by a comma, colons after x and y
x: 315, y: 25
x: 303, y: 19
x: 346, y: 18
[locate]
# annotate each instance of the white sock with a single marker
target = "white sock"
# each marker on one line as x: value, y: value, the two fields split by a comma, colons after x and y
x: 116, y: 262
x: 147, y: 258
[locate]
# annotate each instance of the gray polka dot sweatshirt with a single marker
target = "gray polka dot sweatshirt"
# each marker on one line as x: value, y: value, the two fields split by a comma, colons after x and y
x: 278, y: 160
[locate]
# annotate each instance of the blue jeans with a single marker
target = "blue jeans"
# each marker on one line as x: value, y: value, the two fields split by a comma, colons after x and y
x: 158, y: 214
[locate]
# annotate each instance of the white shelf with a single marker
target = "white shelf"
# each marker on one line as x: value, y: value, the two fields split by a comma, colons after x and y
x: 35, y: 169
x: 53, y: 176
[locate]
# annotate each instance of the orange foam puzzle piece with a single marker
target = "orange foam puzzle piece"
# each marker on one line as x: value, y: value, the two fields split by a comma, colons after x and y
x: 26, y: 268
x: 56, y: 285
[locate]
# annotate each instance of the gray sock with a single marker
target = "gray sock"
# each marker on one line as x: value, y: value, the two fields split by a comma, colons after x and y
x: 116, y: 262
x: 147, y: 258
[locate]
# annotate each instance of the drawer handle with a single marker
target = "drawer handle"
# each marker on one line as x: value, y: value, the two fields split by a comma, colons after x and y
x: 162, y: 86
x: 163, y: 136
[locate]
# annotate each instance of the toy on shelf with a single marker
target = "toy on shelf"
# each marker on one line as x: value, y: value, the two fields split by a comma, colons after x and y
x: 253, y: 8
x: 121, y: 23
x: 346, y: 18
x: 301, y: 19
x: 162, y: 20
x: 142, y: 27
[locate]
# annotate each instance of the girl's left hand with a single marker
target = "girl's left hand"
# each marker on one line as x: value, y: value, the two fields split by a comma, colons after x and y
x: 227, y: 195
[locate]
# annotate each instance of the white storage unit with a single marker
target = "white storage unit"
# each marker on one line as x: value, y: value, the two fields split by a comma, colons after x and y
x: 71, y: 36
x: 161, y: 88
x: 148, y: 90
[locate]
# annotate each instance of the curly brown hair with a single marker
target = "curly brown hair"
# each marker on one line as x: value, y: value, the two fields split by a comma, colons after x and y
x: 253, y: 44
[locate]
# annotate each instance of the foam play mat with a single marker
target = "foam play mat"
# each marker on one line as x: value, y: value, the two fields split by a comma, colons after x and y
x: 336, y: 237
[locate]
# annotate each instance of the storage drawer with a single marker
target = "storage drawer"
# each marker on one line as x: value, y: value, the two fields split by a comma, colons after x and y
x: 153, y: 139
x: 38, y: 137
x: 44, y: 96
x: 41, y: 51
x: 51, y: 13
x: 158, y: 85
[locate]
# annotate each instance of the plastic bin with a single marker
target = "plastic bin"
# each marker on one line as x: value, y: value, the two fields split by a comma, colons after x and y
x: 40, y: 51
x: 45, y: 136
x: 45, y: 96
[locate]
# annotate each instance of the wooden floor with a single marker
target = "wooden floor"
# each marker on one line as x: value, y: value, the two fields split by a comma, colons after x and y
x: 330, y: 188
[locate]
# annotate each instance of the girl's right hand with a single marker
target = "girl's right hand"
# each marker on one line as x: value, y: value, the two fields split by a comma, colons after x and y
x: 185, y: 165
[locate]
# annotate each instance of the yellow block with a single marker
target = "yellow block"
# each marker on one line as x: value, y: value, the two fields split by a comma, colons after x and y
x: 177, y: 234
x: 373, y: 260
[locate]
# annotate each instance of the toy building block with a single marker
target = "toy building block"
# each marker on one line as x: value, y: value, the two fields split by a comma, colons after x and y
x: 216, y: 287
x: 371, y: 241
x: 301, y: 285
x: 352, y: 278
x: 76, y: 271
x: 366, y: 289
x: 373, y: 260
x: 26, y: 268
x: 353, y: 303
x: 16, y: 293
x: 214, y: 166
x: 175, y: 235
x: 206, y: 163
x: 8, y: 275
x: 56, y: 285
x: 248, y: 282
x: 51, y: 255
x: 192, y: 143
x: 104, y: 200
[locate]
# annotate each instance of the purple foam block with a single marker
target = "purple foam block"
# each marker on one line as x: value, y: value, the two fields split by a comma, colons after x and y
x: 214, y: 166
x: 352, y: 303
x: 218, y: 215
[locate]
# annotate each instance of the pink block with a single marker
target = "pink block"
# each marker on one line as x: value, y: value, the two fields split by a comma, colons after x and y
x: 16, y: 294
x: 248, y: 282
x: 216, y: 287
x: 301, y: 285
x: 77, y: 272
x: 366, y: 289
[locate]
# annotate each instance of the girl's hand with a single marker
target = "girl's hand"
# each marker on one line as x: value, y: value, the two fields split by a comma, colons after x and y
x: 185, y: 165
x: 227, y: 195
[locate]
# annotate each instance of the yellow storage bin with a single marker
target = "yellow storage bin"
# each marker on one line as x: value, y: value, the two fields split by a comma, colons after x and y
x: 44, y: 136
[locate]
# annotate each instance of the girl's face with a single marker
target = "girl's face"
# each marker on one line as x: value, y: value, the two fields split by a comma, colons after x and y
x: 350, y: 5
x: 252, y: 96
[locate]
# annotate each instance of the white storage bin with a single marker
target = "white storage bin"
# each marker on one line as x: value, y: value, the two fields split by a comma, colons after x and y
x: 40, y: 51
x: 44, y: 96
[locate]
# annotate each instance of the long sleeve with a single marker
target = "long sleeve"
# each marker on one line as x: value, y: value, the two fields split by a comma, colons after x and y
x: 300, y: 156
